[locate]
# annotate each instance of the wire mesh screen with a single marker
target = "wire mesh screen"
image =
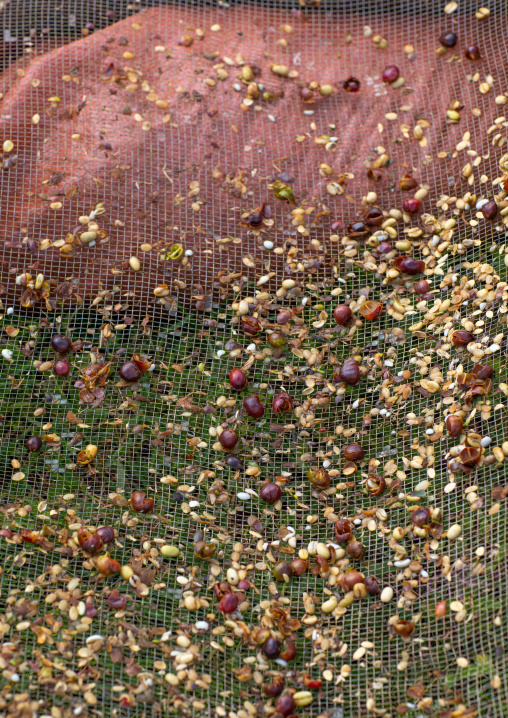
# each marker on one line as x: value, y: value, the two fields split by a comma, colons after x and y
x: 191, y: 188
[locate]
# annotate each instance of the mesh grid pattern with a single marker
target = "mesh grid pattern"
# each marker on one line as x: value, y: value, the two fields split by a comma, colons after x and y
x: 139, y: 160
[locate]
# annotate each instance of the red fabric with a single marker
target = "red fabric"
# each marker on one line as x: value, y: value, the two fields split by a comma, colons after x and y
x: 144, y: 181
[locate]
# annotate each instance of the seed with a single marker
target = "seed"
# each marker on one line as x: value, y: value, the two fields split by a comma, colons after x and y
x: 489, y: 210
x: 498, y: 454
x: 45, y: 366
x: 374, y: 216
x: 325, y: 90
x: 440, y: 609
x: 88, y: 237
x: 343, y: 531
x: 404, y: 628
x: 349, y: 372
x: 422, y: 287
x: 87, y: 455
x: 238, y: 379
x: 282, y: 403
x: 251, y: 326
x: 228, y: 603
x: 234, y: 463
x: 375, y: 484
x: 372, y: 586
x: 282, y: 571
x: 448, y: 39
x: 350, y: 579
x: 34, y: 443
x: 274, y: 689
x: 134, y: 264
x: 271, y: 648
x: 454, y: 425
x: 246, y: 73
x: 8, y: 146
x: 277, y: 340
x: 386, y: 594
x: 329, y: 605
x: 270, y: 493
x: 253, y: 407
x: 91, y: 543
x: 204, y: 550
x: 351, y: 84
x: 420, y: 516
x: 299, y: 566
x: 390, y: 73
x: 357, y: 229
x: 371, y: 310
x: 169, y: 551
x: 61, y: 368
x: 342, y: 314
x: 355, y: 549
x: 107, y: 565
x: 454, y: 532
x: 127, y: 572
x: 130, y: 371
x: 228, y: 439
x: 411, y: 205
x: 284, y: 316
x: 140, y: 502
x: 461, y: 338
x: 407, y: 183
x: 319, y: 478
x: 61, y: 344
x: 116, y: 599
x: 354, y: 452
x: 408, y: 265
x: 285, y: 704
x: 472, y: 52
x: 303, y: 698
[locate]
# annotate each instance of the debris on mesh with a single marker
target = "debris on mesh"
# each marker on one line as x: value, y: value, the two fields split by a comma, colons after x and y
x: 253, y: 386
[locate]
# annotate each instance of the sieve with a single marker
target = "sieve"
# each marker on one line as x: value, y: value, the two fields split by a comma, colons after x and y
x: 168, y: 170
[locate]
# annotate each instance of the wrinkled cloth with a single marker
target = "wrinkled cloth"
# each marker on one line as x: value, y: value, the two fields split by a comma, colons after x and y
x: 157, y: 170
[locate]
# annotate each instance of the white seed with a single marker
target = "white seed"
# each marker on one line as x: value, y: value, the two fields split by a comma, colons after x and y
x: 386, y: 594
x: 243, y: 496
x: 454, y: 532
x: 95, y: 637
x: 189, y: 253
x: 7, y: 354
x: 486, y: 441
x: 202, y: 625
x: 480, y: 203
x: 403, y: 563
x: 267, y: 244
x: 494, y: 348
x: 220, y: 353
